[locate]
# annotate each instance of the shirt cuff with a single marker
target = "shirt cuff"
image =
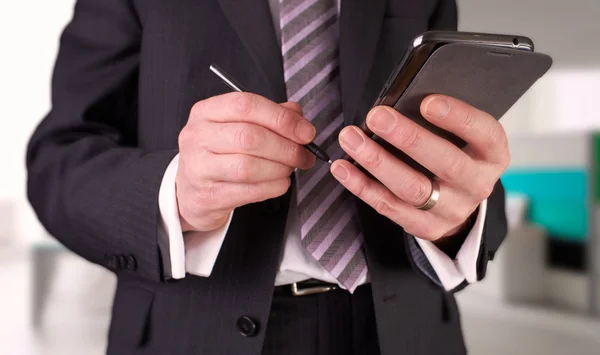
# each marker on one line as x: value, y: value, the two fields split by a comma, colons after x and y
x: 192, y: 252
x: 452, y: 273
x: 202, y: 249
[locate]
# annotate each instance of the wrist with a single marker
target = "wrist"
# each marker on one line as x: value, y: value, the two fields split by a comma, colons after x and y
x: 453, y: 240
x: 204, y: 225
x: 194, y: 219
x: 463, y: 227
x: 455, y: 231
x: 206, y: 222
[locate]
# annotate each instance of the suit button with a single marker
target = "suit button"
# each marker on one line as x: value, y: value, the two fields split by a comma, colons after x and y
x: 248, y: 327
x: 122, y: 262
x: 272, y: 205
x: 131, y: 263
x: 112, y: 261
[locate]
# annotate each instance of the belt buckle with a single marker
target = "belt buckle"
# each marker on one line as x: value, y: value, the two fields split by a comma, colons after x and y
x: 310, y: 290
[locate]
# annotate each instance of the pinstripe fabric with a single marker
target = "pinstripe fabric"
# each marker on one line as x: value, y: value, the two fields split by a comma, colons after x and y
x: 421, y: 261
x: 329, y: 227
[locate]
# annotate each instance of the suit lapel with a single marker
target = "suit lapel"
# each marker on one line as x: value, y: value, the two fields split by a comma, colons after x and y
x: 252, y: 21
x: 360, y: 25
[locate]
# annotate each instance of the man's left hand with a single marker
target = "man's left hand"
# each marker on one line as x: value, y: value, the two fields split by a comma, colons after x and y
x: 466, y: 177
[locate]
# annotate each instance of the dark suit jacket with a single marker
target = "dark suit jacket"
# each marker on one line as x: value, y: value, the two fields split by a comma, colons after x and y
x: 127, y: 74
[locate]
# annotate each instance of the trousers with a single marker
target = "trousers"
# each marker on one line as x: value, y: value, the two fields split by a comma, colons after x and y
x: 329, y: 323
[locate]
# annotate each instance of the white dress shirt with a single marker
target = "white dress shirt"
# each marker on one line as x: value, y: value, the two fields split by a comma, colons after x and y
x: 196, y: 252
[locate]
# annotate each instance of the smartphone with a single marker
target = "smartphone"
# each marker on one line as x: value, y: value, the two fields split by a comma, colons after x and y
x: 424, y: 45
x: 488, y: 71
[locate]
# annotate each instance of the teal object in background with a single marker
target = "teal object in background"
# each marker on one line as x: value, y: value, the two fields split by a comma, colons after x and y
x: 596, y: 167
x: 558, y: 199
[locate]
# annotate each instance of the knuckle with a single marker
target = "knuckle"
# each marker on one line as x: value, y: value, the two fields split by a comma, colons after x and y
x: 408, y: 138
x: 360, y: 188
x: 455, y: 168
x: 244, y: 169
x: 189, y: 137
x: 415, y: 190
x: 206, y: 194
x: 197, y: 108
x: 282, y: 119
x: 247, y: 138
x: 469, y: 120
x: 372, y: 158
x: 242, y: 104
x: 185, y: 136
x: 383, y: 206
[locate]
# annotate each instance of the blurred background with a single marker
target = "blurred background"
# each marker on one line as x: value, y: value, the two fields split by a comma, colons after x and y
x: 542, y: 293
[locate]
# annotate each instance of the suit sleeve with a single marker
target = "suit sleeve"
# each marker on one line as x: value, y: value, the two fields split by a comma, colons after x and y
x: 91, y: 185
x: 494, y: 229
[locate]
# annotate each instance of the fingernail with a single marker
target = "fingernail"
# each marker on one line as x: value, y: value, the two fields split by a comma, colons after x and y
x: 437, y: 108
x: 340, y: 173
x: 305, y: 131
x: 381, y: 120
x: 351, y: 138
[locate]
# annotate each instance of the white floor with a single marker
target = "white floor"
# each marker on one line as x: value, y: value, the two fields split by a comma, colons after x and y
x: 76, y: 319
x: 493, y: 328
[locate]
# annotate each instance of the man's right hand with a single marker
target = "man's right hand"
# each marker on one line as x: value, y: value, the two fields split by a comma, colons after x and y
x: 237, y: 149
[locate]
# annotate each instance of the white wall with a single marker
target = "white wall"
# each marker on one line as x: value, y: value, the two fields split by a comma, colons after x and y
x: 561, y: 101
x: 29, y: 32
x: 568, y: 32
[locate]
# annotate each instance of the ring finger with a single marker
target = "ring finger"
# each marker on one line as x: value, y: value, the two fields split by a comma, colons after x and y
x: 418, y: 223
x: 425, y: 224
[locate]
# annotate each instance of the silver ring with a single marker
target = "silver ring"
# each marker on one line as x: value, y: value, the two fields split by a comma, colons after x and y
x: 433, y: 197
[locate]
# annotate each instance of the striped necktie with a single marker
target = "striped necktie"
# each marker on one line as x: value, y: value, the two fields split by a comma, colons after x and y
x: 329, y: 225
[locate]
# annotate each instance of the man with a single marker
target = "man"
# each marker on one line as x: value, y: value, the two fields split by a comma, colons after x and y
x: 147, y: 166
